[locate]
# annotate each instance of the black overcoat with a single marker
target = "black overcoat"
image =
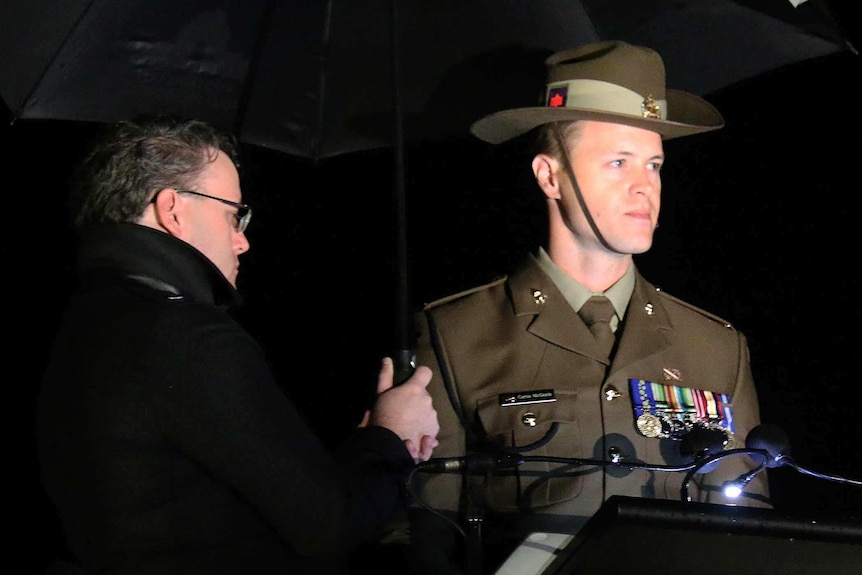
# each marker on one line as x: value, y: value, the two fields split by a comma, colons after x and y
x: 167, y: 446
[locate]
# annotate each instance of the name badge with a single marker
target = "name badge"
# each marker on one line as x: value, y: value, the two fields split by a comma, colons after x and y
x: 527, y: 397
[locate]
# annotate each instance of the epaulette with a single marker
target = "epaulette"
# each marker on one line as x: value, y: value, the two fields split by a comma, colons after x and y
x: 694, y: 308
x: 461, y: 294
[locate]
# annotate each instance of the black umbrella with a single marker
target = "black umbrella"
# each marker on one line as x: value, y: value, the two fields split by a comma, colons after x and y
x: 319, y: 79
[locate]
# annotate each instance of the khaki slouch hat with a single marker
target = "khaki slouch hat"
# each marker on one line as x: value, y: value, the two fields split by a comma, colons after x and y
x: 608, y: 81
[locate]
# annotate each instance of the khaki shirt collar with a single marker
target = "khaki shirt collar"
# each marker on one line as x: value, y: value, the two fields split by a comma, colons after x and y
x: 577, y: 294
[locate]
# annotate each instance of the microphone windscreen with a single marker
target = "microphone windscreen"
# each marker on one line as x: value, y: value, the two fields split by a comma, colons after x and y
x: 770, y: 438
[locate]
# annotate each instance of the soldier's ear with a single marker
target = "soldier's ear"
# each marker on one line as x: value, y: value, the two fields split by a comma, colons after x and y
x: 545, y: 171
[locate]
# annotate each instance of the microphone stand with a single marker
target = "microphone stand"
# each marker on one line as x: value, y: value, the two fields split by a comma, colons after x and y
x: 734, y: 487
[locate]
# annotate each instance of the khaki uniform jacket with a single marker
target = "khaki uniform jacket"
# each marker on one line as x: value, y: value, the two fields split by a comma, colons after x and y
x: 518, y: 335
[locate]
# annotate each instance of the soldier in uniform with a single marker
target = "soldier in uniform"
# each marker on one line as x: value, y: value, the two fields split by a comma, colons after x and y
x: 520, y: 376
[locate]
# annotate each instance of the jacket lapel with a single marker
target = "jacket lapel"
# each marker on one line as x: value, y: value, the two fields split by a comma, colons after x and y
x: 549, y: 316
x: 646, y: 326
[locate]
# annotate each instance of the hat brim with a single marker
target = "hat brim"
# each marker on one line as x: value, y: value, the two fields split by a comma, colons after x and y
x: 687, y: 114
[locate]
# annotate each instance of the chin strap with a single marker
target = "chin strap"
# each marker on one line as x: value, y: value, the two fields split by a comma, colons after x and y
x: 571, y: 173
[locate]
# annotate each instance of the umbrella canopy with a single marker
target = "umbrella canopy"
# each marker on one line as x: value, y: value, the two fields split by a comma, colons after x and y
x: 317, y: 79
x: 321, y: 79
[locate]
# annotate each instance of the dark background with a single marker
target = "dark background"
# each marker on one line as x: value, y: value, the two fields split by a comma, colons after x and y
x: 761, y: 224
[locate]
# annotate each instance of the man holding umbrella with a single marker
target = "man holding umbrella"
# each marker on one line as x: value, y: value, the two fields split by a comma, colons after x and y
x: 524, y: 369
x: 165, y: 442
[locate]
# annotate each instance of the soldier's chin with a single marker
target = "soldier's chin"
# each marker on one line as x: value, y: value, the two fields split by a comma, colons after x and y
x: 640, y: 247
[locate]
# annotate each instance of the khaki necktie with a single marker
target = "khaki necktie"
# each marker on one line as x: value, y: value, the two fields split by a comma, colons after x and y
x: 597, y: 313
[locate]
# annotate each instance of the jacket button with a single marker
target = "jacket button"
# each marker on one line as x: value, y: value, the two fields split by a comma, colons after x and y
x: 529, y: 419
x: 611, y: 393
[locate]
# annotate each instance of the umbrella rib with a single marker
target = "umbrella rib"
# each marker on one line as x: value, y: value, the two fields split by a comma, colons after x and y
x: 253, y: 67
x: 321, y: 100
x: 60, y: 47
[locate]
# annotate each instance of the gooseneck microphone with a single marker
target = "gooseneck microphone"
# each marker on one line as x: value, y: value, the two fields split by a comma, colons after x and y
x: 766, y: 446
x: 766, y: 443
x: 771, y: 443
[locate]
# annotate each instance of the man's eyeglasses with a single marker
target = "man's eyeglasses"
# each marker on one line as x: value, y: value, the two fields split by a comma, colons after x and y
x: 243, y: 211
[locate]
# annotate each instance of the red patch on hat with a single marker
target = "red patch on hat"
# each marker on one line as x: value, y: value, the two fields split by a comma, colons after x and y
x: 557, y: 97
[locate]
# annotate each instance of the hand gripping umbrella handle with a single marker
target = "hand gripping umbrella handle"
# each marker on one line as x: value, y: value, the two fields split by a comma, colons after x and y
x: 404, y: 361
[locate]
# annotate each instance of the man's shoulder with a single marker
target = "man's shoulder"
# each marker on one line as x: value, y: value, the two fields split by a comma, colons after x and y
x: 469, y: 294
x: 678, y: 307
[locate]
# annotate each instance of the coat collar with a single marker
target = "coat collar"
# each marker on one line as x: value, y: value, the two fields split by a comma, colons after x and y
x: 535, y: 296
x: 154, y: 258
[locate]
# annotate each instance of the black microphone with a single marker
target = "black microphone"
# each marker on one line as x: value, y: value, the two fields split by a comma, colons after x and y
x: 768, y: 438
x: 771, y: 439
x: 478, y: 463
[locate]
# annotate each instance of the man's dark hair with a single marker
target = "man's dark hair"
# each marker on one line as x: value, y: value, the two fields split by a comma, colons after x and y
x: 133, y: 159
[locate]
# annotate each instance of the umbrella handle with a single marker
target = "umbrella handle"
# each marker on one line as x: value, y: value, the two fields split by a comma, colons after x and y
x: 404, y: 361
